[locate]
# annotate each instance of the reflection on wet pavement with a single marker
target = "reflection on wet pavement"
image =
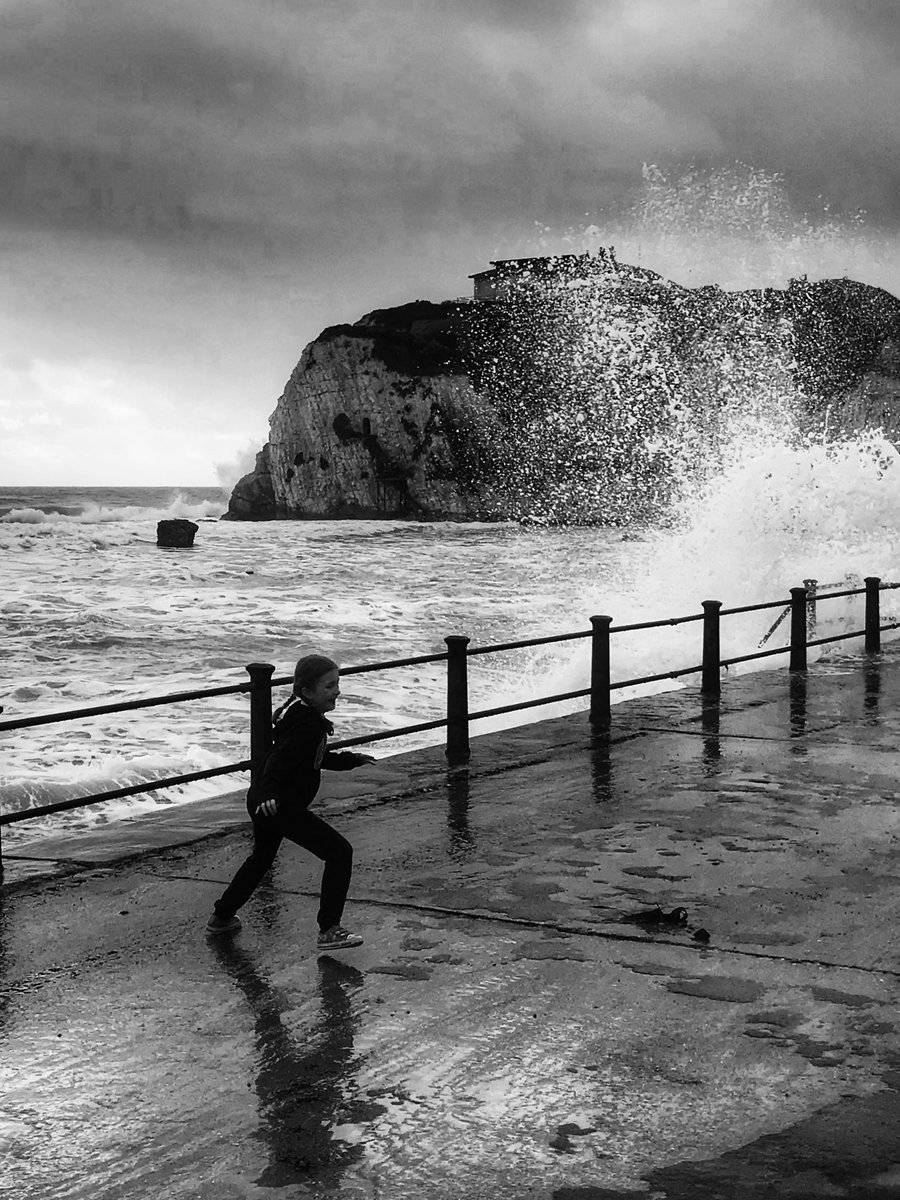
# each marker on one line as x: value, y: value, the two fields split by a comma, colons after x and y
x: 462, y: 841
x: 712, y: 745
x: 872, y: 699
x: 602, y: 782
x: 798, y: 705
x: 302, y: 1076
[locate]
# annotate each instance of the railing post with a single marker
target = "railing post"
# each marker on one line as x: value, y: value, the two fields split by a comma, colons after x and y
x: 457, y: 698
x: 798, y: 629
x: 711, y: 682
x: 260, y: 716
x: 600, y: 717
x: 810, y: 585
x: 873, y: 614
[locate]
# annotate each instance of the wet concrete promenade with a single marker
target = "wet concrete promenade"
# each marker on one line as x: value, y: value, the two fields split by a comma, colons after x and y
x: 506, y: 1032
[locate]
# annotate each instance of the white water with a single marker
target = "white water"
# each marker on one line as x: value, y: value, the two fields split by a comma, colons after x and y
x: 93, y: 611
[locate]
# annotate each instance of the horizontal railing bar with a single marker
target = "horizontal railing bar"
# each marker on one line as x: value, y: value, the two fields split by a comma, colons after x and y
x: 655, y: 624
x: 623, y: 683
x: 155, y: 785
x: 177, y: 697
x: 725, y: 612
x: 418, y: 660
x: 25, y: 814
x: 284, y: 680
x: 557, y: 637
x: 729, y: 662
x: 387, y: 733
x: 508, y: 708
x: 786, y: 604
x: 397, y: 662
x: 882, y: 587
x: 123, y: 706
x: 838, y: 595
x: 745, y: 608
x: 838, y: 637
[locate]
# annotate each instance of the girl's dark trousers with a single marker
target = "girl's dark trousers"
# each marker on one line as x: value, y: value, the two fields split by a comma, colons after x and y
x: 313, y: 834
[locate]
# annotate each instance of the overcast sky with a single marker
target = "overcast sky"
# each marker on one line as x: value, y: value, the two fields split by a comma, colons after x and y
x: 191, y: 190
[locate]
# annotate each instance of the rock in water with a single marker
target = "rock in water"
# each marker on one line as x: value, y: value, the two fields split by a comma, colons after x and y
x: 177, y: 532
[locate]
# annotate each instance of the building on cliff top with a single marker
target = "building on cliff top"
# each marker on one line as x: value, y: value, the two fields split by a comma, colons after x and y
x: 509, y: 274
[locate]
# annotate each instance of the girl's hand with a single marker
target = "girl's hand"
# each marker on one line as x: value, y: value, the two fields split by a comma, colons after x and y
x: 268, y: 808
x: 364, y: 759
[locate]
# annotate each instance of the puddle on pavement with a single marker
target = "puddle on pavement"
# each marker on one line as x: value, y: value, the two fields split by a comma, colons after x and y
x: 845, y: 1149
x: 403, y: 970
x: 548, y: 948
x: 421, y: 943
x: 718, y: 987
x: 654, y: 873
x: 850, y: 999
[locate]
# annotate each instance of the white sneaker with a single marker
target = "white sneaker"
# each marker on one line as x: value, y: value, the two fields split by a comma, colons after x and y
x: 337, y: 938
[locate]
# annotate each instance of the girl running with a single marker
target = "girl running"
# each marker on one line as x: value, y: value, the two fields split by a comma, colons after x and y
x: 279, y: 804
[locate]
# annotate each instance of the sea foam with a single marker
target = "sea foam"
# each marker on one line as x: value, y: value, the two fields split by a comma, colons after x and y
x: 98, y: 514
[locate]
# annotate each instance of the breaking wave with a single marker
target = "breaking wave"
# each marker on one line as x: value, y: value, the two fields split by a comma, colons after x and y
x: 99, y: 514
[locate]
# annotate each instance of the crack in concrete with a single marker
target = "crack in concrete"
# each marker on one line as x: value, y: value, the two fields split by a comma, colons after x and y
x: 560, y: 927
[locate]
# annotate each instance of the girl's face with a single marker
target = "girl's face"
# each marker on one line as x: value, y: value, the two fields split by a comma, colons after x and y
x: 323, y: 695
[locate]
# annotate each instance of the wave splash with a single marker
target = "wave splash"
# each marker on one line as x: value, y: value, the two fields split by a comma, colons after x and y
x: 99, y: 514
x: 786, y: 511
x: 760, y: 500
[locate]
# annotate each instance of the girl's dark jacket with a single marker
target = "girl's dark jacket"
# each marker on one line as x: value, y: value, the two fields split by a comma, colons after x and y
x: 292, y: 770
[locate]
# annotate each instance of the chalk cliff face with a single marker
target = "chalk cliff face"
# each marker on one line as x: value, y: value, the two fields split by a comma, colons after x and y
x: 372, y: 423
x: 403, y: 414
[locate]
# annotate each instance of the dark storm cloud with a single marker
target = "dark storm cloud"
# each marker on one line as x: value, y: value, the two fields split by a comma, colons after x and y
x: 859, y: 19
x: 115, y: 116
x: 811, y: 92
x: 202, y: 116
x: 301, y: 126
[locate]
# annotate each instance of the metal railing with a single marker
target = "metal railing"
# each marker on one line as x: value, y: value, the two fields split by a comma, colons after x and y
x: 801, y: 608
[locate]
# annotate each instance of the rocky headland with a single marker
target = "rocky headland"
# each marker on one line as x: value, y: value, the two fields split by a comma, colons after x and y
x: 371, y: 424
x: 554, y: 397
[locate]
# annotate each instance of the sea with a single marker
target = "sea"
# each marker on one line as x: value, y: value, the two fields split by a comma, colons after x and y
x: 92, y: 611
